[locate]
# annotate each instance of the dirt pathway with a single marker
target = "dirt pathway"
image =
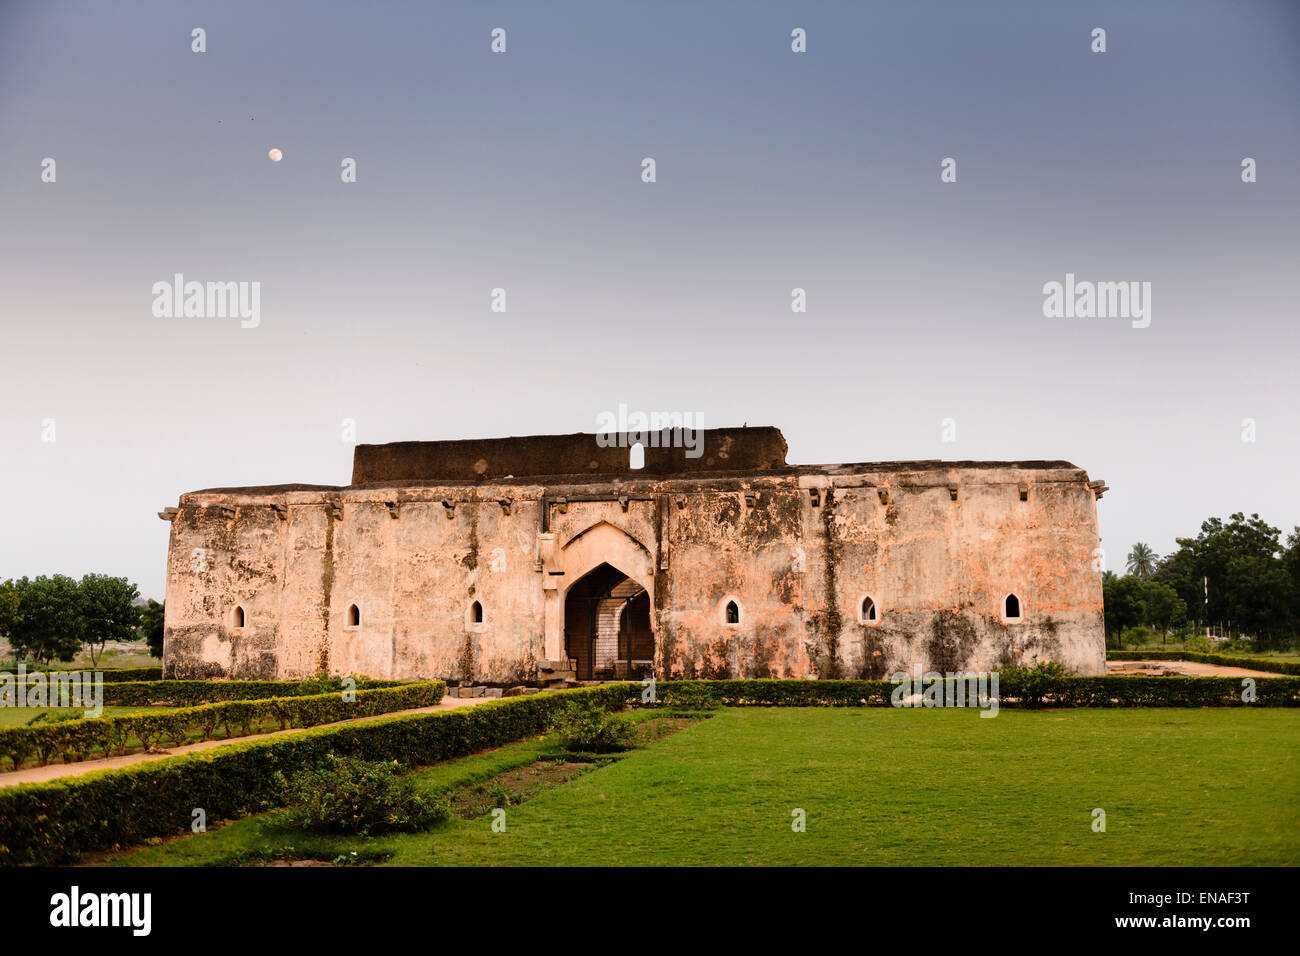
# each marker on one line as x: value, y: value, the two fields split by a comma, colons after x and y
x: 58, y: 771
x: 1182, y: 668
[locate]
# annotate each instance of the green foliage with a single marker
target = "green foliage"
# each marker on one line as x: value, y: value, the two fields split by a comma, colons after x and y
x: 1034, y: 683
x: 1164, y: 608
x: 1014, y: 689
x: 54, y: 717
x: 151, y: 626
x: 50, y: 624
x: 1253, y: 581
x: 355, y: 796
x: 1124, y: 607
x: 108, y: 611
x: 189, y: 693
x: 1141, y: 561
x: 49, y: 618
x: 53, y: 823
x: 237, y: 718
x: 586, y: 727
x: 688, y: 696
x: 9, y: 603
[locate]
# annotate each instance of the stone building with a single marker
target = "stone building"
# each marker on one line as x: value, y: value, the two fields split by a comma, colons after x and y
x: 494, y: 561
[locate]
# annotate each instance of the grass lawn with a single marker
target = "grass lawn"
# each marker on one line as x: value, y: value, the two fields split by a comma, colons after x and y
x: 879, y: 786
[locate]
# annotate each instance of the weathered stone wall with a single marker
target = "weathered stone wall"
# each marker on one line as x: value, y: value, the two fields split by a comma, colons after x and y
x: 797, y: 550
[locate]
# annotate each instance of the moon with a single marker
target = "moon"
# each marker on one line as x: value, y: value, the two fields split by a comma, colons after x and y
x: 275, y: 155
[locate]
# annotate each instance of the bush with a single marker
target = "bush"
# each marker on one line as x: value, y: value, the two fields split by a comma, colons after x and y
x: 53, y: 717
x: 1032, y: 683
x: 1058, y: 691
x: 1139, y: 636
x: 591, y: 729
x: 55, y: 822
x: 689, y: 696
x: 354, y: 796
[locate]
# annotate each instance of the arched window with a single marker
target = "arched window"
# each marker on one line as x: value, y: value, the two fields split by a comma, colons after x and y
x: 733, y: 613
x: 476, y: 613
x: 636, y: 457
x: 1011, y: 607
x: 354, y: 616
x: 868, y: 611
x: 237, y: 617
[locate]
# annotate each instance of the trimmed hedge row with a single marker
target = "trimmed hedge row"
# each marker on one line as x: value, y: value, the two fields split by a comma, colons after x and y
x: 1223, y: 660
x: 112, y: 675
x: 188, y: 693
x: 75, y: 740
x: 1118, y: 691
x: 54, y: 823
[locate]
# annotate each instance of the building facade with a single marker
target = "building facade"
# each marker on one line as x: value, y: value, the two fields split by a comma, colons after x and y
x: 492, y: 561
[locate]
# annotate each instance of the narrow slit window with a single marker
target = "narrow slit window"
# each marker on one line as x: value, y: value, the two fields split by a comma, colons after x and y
x: 476, y: 613
x: 354, y: 616
x: 733, y: 613
x: 237, y: 618
x: 868, y: 609
x: 1011, y: 610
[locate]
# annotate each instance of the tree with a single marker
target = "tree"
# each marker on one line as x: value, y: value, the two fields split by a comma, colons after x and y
x: 1123, y: 605
x: 1177, y: 571
x: 1141, y: 561
x: 1164, y: 608
x: 1251, y: 590
x: 151, y: 623
x: 51, y: 625
x: 9, y: 609
x: 108, y: 612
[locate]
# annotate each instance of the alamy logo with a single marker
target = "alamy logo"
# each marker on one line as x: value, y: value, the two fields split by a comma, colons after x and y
x: 208, y: 300
x: 952, y: 689
x: 1098, y: 300
x: 102, y: 909
x: 55, y: 689
x: 624, y: 429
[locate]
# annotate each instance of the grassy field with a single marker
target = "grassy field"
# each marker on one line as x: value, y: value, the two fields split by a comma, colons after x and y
x: 879, y: 787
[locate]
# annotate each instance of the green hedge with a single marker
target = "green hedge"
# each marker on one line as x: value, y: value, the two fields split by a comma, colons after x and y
x: 1117, y: 691
x: 188, y: 693
x: 54, y: 823
x: 112, y: 675
x: 1223, y: 660
x: 75, y: 740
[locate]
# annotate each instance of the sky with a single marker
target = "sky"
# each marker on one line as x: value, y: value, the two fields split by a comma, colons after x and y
x: 522, y: 170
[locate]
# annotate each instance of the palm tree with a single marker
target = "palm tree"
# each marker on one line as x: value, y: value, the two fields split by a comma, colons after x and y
x: 1141, y: 561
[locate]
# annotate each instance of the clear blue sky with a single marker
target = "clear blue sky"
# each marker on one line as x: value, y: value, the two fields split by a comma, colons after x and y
x: 522, y: 170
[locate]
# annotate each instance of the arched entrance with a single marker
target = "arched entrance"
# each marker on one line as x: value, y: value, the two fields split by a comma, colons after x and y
x: 607, y: 626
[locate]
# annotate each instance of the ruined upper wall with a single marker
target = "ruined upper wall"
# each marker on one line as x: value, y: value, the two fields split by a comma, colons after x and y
x: 720, y: 449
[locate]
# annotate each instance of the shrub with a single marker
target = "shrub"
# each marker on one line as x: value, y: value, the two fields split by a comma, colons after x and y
x: 591, y: 729
x: 54, y: 717
x: 1067, y: 691
x: 1032, y: 683
x: 355, y: 796
x: 691, y: 696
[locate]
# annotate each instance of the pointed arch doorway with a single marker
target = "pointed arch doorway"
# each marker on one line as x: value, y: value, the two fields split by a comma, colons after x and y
x: 607, y: 626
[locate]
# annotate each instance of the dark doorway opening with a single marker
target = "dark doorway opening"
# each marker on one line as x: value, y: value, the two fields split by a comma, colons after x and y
x: 607, y: 627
